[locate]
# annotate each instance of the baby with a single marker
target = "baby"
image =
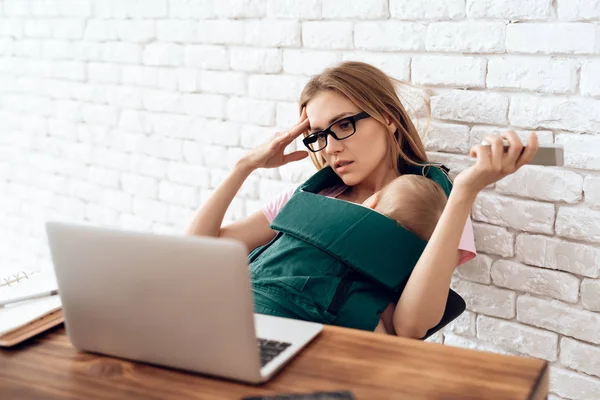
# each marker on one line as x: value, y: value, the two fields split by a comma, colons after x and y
x: 416, y: 203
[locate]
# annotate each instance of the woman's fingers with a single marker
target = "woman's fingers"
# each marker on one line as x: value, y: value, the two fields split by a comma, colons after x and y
x: 294, y: 156
x: 530, y: 150
x: 514, y: 151
x: 496, y: 147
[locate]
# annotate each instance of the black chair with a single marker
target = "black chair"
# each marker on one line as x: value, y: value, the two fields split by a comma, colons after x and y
x: 455, y: 306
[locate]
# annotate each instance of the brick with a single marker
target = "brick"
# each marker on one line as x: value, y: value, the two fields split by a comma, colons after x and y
x: 74, y: 8
x: 467, y: 106
x: 349, y: 9
x: 437, y: 337
x: 212, y: 131
x: 106, y: 73
x: 223, y: 82
x: 253, y: 136
x: 578, y: 10
x: 160, y: 147
x: 590, y: 294
x: 559, y: 285
x: 543, y: 183
x: 136, y: 31
x: 554, y: 253
x: 180, y: 31
x: 463, y: 325
x: 221, y: 32
x: 327, y: 35
x: 487, y: 300
x: 28, y: 48
x: 186, y: 174
x: 580, y: 356
x: 273, y: 33
x: 17, y: 8
x: 140, y: 9
x: 127, y: 53
x: 457, y: 72
x: 57, y: 49
x: 535, y: 74
x: 512, y: 10
x: 147, y: 166
x: 559, y: 317
x: 395, y: 65
x: 590, y: 81
x: 411, y: 10
x: 292, y: 9
x: 174, y: 193
x: 99, y: 215
x: 12, y: 27
x: 206, y: 57
x: 270, y: 188
x: 139, y: 186
x: 476, y: 270
x: 180, y: 216
x: 572, y: 114
x: 287, y: 115
x: 578, y: 223
x: 166, y: 54
x: 115, y: 200
x: 72, y: 70
x: 572, y: 385
x: 192, y: 9
x: 99, y: 114
x: 390, y: 36
x: 240, y: 9
x: 103, y: 177
x: 519, y: 338
x: 255, y: 60
x: 294, y: 61
x: 100, y: 30
x: 466, y: 37
x: 524, y: 215
x: 205, y: 105
x: 162, y: 101
x: 591, y: 188
x: 276, y: 87
x: 297, y: 172
x: 545, y: 38
x: 67, y: 28
x: 493, y: 239
x: 470, y: 343
x: 151, y: 210
x: 580, y: 151
x: 447, y: 138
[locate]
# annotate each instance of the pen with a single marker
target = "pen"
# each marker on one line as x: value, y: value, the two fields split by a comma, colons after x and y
x: 4, y: 303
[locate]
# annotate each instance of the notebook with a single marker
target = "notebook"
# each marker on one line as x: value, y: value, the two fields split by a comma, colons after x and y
x: 20, y: 321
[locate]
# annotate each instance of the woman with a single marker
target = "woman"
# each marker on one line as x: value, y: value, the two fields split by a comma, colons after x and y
x: 366, y: 156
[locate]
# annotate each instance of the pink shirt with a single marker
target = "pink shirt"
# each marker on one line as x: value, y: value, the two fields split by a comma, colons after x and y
x: 466, y: 246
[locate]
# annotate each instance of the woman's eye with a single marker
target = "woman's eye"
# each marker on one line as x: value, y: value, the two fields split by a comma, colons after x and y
x: 321, y: 136
x: 345, y: 125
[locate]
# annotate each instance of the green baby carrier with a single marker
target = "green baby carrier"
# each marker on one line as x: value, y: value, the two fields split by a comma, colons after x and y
x: 333, y: 261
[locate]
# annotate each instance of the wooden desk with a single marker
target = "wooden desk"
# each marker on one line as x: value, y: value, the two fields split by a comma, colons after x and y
x: 372, y: 366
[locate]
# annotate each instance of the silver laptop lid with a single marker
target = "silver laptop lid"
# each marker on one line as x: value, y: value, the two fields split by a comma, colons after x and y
x: 183, y: 302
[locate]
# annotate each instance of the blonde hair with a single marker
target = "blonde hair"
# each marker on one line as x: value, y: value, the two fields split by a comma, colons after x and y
x: 415, y: 202
x: 371, y: 90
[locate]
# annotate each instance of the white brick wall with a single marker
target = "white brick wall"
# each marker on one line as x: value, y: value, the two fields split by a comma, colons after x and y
x: 131, y: 112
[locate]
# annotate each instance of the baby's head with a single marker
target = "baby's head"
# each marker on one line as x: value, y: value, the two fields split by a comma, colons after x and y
x: 414, y: 201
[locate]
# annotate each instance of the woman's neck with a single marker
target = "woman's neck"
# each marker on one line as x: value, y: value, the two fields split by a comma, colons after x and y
x: 374, y: 183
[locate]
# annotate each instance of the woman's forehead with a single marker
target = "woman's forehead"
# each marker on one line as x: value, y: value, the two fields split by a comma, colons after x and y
x: 323, y: 109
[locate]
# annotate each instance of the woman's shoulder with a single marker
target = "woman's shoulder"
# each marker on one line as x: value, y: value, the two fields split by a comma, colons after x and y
x: 272, y: 207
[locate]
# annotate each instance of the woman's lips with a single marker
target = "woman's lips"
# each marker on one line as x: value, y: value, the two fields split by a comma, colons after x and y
x: 344, y: 168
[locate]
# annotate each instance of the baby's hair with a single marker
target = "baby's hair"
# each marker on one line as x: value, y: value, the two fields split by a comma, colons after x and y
x: 415, y: 201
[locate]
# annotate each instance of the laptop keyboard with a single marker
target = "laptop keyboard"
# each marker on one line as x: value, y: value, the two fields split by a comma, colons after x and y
x: 269, y: 349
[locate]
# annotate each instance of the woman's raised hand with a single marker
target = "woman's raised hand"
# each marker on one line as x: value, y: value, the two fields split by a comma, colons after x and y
x: 493, y: 163
x: 270, y: 154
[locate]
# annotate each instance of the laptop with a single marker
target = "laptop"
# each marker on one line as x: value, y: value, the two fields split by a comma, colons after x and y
x: 176, y: 301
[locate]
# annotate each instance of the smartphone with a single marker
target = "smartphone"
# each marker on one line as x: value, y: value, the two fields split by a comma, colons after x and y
x: 551, y: 156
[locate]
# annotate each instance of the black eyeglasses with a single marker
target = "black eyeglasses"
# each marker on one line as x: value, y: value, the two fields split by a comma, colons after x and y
x: 340, y: 130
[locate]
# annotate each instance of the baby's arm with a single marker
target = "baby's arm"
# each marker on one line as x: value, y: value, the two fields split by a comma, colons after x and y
x: 386, y: 322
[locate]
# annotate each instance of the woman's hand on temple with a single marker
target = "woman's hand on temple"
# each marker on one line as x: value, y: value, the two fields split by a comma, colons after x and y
x: 493, y: 163
x: 270, y: 154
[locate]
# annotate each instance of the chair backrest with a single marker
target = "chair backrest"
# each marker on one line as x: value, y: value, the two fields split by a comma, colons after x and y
x: 455, y: 305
